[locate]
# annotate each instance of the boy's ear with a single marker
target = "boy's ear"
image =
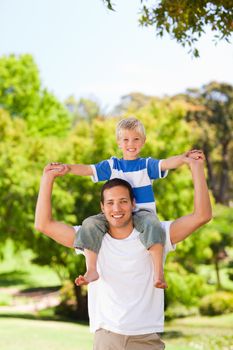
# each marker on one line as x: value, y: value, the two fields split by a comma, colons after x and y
x: 119, y: 144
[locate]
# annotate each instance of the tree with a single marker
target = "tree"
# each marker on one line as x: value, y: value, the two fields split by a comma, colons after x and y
x: 82, y: 110
x: 210, y: 113
x: 22, y: 95
x: 186, y: 21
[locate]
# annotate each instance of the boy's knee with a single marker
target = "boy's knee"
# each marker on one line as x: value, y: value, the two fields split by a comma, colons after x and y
x: 90, y: 223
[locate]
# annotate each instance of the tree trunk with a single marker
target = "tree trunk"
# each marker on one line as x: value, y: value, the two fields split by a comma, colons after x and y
x: 216, y: 263
x: 81, y: 298
x: 223, y: 194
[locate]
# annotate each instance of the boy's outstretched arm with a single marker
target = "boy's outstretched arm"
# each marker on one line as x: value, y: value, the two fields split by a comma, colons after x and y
x: 176, y: 161
x: 80, y: 169
x: 76, y: 169
x: 202, y: 213
x: 44, y: 222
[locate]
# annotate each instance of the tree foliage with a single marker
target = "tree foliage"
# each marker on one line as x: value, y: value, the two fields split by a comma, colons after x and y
x: 35, y: 128
x: 186, y: 21
x: 210, y: 112
x: 22, y: 95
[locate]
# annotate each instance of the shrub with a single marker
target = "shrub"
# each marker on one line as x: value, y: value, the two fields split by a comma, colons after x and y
x: 185, y: 289
x: 216, y: 304
x: 179, y: 311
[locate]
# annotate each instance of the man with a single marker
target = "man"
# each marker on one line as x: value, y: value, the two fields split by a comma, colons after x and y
x: 125, y: 309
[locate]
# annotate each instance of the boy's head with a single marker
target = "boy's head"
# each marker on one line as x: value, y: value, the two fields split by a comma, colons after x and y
x: 131, y: 137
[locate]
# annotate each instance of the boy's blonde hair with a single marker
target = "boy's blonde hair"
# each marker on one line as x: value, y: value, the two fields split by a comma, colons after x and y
x: 130, y: 124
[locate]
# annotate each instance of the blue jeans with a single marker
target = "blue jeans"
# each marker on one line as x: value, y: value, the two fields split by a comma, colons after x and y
x: 93, y: 229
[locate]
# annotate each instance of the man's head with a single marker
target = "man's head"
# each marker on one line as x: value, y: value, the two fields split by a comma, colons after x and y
x: 131, y: 137
x: 117, y: 203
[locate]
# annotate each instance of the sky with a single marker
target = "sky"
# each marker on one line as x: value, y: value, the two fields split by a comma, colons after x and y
x: 84, y: 50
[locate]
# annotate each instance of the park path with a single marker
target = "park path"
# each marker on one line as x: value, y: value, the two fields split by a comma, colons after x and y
x: 30, y: 301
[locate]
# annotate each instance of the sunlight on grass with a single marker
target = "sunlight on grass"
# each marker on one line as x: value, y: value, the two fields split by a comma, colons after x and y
x: 194, y: 333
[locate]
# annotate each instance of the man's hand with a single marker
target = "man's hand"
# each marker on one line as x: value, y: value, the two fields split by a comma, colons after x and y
x: 56, y: 169
x: 194, y: 156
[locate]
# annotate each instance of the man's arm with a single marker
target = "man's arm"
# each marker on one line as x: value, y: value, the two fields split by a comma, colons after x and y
x: 184, y: 226
x: 60, y: 232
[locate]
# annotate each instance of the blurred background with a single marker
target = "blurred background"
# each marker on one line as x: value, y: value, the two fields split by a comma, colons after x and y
x: 69, y: 71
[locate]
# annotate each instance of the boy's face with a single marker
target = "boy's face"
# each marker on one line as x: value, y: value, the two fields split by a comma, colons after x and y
x: 131, y: 143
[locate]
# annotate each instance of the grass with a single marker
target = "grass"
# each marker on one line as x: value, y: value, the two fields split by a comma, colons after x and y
x: 44, y: 331
x: 28, y: 334
x: 195, y: 333
x: 17, y: 270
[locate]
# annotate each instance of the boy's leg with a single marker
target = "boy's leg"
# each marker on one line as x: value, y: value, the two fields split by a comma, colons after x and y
x: 89, y: 239
x: 152, y: 237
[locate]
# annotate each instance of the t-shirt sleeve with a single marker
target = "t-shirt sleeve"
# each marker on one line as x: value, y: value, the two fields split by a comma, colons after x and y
x: 77, y: 251
x: 101, y: 171
x: 168, y: 247
x: 154, y: 169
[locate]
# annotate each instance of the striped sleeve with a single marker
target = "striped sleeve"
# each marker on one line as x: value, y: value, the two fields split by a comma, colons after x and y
x: 101, y: 171
x: 154, y: 169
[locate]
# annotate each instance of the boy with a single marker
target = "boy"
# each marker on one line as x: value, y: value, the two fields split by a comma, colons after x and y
x: 139, y: 172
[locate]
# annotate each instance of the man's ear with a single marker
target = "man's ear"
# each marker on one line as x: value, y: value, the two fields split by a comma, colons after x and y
x: 102, y: 207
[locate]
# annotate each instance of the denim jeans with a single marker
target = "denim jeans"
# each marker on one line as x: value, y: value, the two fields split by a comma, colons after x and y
x: 93, y: 229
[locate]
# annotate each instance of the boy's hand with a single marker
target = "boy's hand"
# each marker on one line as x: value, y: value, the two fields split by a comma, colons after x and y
x: 56, y: 169
x: 195, y: 154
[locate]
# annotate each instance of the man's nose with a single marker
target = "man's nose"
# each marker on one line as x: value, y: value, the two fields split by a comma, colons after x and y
x: 116, y: 206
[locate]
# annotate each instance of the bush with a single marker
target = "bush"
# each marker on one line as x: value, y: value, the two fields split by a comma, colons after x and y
x: 67, y: 307
x: 216, y: 304
x: 183, y: 288
x: 179, y: 311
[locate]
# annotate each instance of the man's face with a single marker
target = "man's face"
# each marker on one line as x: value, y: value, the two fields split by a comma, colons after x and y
x: 117, y: 208
x: 131, y: 143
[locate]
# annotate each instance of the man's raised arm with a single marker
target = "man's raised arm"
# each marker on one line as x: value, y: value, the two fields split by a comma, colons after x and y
x: 60, y: 232
x: 184, y: 226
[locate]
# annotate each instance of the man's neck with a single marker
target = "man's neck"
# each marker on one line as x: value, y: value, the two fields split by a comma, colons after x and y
x: 120, y: 232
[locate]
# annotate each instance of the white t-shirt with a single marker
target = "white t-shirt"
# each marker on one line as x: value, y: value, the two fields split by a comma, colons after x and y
x: 124, y: 300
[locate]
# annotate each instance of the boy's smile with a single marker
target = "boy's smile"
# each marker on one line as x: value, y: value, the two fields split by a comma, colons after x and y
x: 131, y: 143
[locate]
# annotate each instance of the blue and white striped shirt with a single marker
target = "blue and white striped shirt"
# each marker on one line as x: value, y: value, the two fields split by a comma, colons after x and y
x: 139, y: 172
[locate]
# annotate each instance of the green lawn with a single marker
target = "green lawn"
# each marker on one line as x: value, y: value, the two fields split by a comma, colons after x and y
x: 194, y: 333
x: 28, y: 332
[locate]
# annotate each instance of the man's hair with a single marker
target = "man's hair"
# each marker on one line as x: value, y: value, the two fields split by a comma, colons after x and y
x: 130, y: 124
x: 114, y: 183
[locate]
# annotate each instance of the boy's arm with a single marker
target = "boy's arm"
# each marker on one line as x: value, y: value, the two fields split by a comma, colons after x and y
x: 44, y: 222
x: 80, y: 169
x: 202, y: 213
x: 176, y: 161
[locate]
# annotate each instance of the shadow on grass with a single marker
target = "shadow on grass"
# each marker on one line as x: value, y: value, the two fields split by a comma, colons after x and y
x: 38, y: 291
x: 7, y: 279
x: 28, y: 316
x: 172, y: 335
